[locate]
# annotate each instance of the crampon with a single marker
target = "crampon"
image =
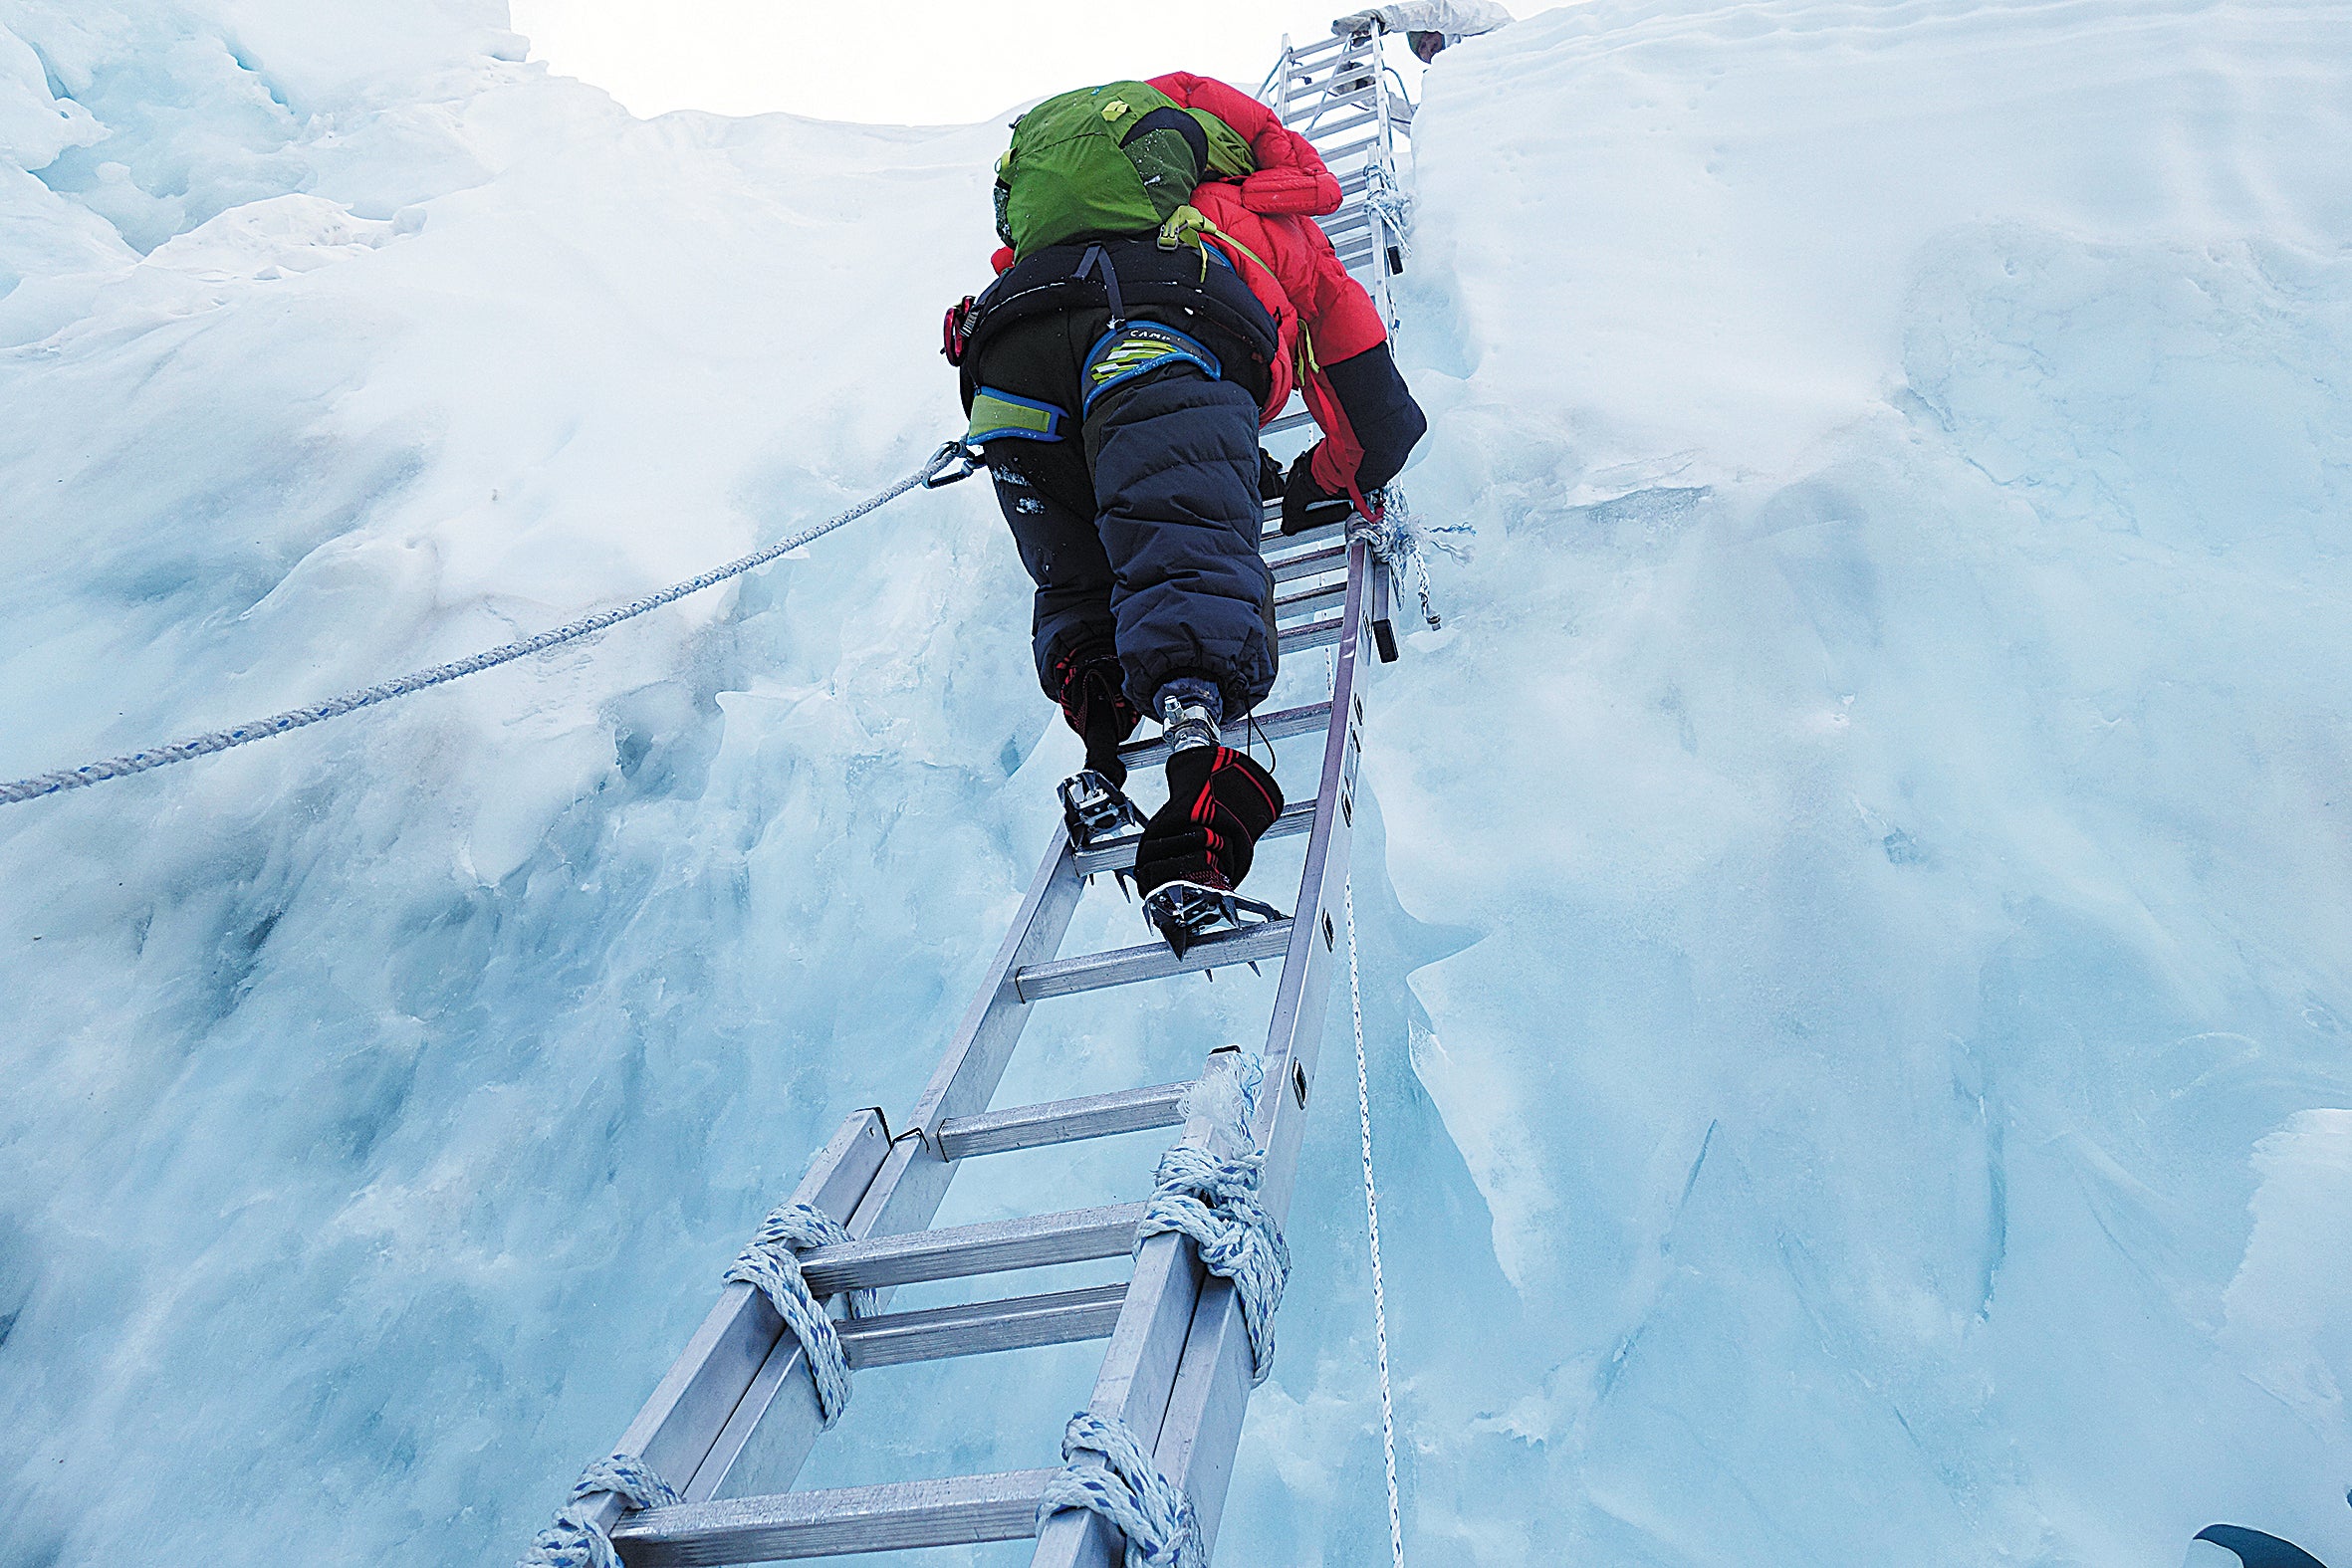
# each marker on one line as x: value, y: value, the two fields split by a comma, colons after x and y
x: 1184, y: 912
x: 1098, y: 812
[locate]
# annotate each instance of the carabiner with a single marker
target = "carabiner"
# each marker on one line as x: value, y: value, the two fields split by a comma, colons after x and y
x: 962, y: 458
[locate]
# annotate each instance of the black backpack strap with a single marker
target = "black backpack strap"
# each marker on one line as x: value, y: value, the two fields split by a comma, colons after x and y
x: 1170, y: 117
x: 1098, y: 257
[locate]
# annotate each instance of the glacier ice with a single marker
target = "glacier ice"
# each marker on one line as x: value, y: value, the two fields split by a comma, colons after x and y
x: 1854, y: 906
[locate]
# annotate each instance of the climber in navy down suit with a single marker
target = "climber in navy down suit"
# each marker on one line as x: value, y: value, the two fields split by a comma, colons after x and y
x: 1126, y: 381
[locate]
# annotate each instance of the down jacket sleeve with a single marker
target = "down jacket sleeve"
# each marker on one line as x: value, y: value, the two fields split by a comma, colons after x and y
x: 1290, y: 175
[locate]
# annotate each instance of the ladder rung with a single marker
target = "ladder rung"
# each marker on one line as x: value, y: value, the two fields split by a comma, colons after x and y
x: 1151, y: 961
x: 1296, y: 818
x: 1321, y: 46
x: 1058, y: 1318
x: 1064, y: 1121
x: 836, y: 1521
x: 1303, y: 115
x: 1276, y: 726
x: 1310, y: 598
x: 1313, y: 536
x: 1304, y: 82
x: 1369, y: 143
x: 1352, y: 122
x: 1331, y: 558
x: 1070, y: 1236
x: 1314, y: 634
x: 1287, y: 422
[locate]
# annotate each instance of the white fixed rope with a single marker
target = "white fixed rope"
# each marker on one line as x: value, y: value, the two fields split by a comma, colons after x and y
x: 1147, y: 1461
x: 940, y: 469
x: 1363, y: 1103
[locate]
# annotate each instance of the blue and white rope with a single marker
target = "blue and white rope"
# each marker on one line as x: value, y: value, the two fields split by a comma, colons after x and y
x: 1401, y: 538
x: 772, y: 1265
x: 1214, y: 1200
x: 1364, y: 1104
x: 574, y: 1539
x: 933, y: 473
x: 1130, y: 1493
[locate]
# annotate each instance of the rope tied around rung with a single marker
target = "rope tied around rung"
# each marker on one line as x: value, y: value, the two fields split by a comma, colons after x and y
x: 1127, y: 1491
x: 1399, y: 539
x: 771, y: 1263
x: 575, y: 1540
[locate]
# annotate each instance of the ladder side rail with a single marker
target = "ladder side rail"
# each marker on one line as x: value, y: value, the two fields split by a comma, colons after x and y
x: 1383, y: 158
x: 1195, y: 1424
x: 1212, y: 1390
x: 1140, y: 1367
x: 675, y: 1431
x: 912, y: 1179
x: 1382, y: 231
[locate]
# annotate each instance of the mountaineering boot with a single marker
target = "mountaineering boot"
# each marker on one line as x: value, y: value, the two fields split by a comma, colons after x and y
x: 1197, y: 848
x: 1095, y: 703
x: 1094, y: 805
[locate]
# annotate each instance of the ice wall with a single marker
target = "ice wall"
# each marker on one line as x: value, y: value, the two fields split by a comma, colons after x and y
x: 1869, y: 855
x: 387, y: 1106
x: 1890, y: 753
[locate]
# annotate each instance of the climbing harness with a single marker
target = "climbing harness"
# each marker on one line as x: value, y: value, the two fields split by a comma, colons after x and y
x: 1363, y: 1105
x: 953, y: 461
x: 1189, y: 1331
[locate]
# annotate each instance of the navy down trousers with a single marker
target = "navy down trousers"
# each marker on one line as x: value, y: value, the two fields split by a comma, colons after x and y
x: 1140, y: 526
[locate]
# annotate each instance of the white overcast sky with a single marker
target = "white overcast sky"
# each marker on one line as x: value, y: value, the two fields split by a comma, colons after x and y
x: 903, y: 62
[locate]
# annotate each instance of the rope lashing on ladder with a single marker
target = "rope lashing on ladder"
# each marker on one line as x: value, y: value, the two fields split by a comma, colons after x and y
x: 942, y: 468
x: 1146, y: 1507
x: 1400, y: 538
x: 772, y: 1265
x: 575, y: 1540
x: 1213, y: 1199
x: 1392, y: 207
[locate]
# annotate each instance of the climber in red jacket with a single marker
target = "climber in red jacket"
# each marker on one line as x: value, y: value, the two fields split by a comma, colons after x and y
x: 1326, y: 324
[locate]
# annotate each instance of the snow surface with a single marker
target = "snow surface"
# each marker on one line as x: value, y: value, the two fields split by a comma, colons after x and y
x: 1855, y: 917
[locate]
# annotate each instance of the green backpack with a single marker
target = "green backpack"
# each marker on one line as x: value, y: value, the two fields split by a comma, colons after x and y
x: 1115, y: 159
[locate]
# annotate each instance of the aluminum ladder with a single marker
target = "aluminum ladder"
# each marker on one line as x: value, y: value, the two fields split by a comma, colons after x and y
x: 1177, y: 1366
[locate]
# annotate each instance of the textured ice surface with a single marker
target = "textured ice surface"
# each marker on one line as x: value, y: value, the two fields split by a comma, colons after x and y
x: 1861, y: 1007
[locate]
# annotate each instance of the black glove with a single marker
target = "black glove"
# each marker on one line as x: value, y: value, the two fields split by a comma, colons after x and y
x: 1307, y: 504
x: 1269, y: 476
